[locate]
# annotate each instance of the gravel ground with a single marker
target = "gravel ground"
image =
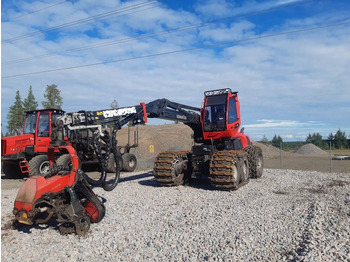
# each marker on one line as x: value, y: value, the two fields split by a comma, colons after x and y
x: 286, y: 215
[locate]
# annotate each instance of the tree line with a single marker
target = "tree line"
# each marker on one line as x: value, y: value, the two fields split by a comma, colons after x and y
x: 16, y: 114
x: 338, y: 140
x: 52, y: 100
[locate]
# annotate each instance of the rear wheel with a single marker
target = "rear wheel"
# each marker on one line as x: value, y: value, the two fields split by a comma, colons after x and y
x: 129, y: 162
x: 256, y: 161
x: 39, y: 165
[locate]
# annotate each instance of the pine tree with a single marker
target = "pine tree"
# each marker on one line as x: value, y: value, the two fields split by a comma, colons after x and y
x: 340, y: 140
x: 276, y: 141
x: 53, y: 97
x: 30, y: 103
x: 316, y: 139
x: 15, y: 115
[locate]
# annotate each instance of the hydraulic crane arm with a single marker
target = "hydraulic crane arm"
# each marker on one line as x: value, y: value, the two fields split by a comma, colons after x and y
x: 160, y: 108
x: 86, y: 119
x: 166, y: 109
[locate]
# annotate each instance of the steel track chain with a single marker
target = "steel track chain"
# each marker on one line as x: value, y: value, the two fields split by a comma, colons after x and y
x: 164, y: 167
x: 225, y: 170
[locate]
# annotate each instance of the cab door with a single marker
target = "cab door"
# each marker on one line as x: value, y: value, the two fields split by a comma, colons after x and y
x: 43, y: 132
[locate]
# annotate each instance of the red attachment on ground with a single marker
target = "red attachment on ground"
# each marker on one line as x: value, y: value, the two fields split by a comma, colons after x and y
x: 91, y: 211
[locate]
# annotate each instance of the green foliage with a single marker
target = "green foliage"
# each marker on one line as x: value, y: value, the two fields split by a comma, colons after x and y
x: 292, y: 145
x: 30, y: 103
x: 53, y: 97
x: 340, y: 141
x: 316, y: 139
x: 277, y: 141
x: 331, y: 137
x: 15, y: 115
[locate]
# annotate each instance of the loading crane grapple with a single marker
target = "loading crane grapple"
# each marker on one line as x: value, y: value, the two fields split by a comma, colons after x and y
x: 227, y: 156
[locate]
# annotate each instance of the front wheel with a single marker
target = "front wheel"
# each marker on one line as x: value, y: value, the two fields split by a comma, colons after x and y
x: 171, y: 168
x: 39, y: 165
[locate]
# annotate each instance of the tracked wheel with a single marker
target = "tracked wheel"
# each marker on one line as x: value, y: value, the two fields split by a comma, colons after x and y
x: 256, y: 161
x: 170, y: 168
x: 229, y: 169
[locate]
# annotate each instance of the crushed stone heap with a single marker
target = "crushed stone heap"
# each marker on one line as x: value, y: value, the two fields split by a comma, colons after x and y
x: 310, y: 149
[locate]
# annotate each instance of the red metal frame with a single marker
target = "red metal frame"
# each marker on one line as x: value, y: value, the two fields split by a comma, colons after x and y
x: 34, y: 187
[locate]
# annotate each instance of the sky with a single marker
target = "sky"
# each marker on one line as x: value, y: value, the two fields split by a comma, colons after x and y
x: 288, y: 59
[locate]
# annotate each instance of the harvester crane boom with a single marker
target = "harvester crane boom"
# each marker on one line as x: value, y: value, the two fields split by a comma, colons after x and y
x: 168, y: 110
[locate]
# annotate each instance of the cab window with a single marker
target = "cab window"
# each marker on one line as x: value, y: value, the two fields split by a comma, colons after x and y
x: 30, y: 124
x: 215, y: 113
x: 232, y: 111
x: 43, y: 127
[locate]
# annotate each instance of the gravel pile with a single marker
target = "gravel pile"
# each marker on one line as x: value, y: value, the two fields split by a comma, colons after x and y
x: 269, y: 151
x: 284, y: 216
x: 310, y: 149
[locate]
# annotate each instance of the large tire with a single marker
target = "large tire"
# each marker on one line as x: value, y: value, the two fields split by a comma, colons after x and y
x: 129, y: 162
x: 243, y: 168
x: 256, y: 161
x: 11, y: 169
x: 64, y: 160
x: 169, y: 169
x: 226, y: 169
x: 39, y: 165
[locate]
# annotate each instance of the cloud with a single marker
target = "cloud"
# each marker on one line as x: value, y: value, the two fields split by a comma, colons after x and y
x: 267, y: 123
x: 288, y: 137
x: 219, y: 8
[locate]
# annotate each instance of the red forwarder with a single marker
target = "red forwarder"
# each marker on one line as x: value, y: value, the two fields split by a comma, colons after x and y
x: 27, y: 153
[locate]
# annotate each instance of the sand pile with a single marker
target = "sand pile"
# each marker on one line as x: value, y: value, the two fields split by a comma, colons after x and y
x: 310, y: 149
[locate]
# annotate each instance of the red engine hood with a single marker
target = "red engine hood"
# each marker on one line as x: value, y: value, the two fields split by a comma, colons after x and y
x: 16, y: 144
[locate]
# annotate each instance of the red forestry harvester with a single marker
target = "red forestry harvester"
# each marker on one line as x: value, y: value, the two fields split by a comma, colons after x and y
x: 221, y: 152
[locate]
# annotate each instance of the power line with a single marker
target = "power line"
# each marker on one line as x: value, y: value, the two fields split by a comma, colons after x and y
x: 159, y: 33
x: 182, y: 50
x: 20, y: 16
x: 79, y: 21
